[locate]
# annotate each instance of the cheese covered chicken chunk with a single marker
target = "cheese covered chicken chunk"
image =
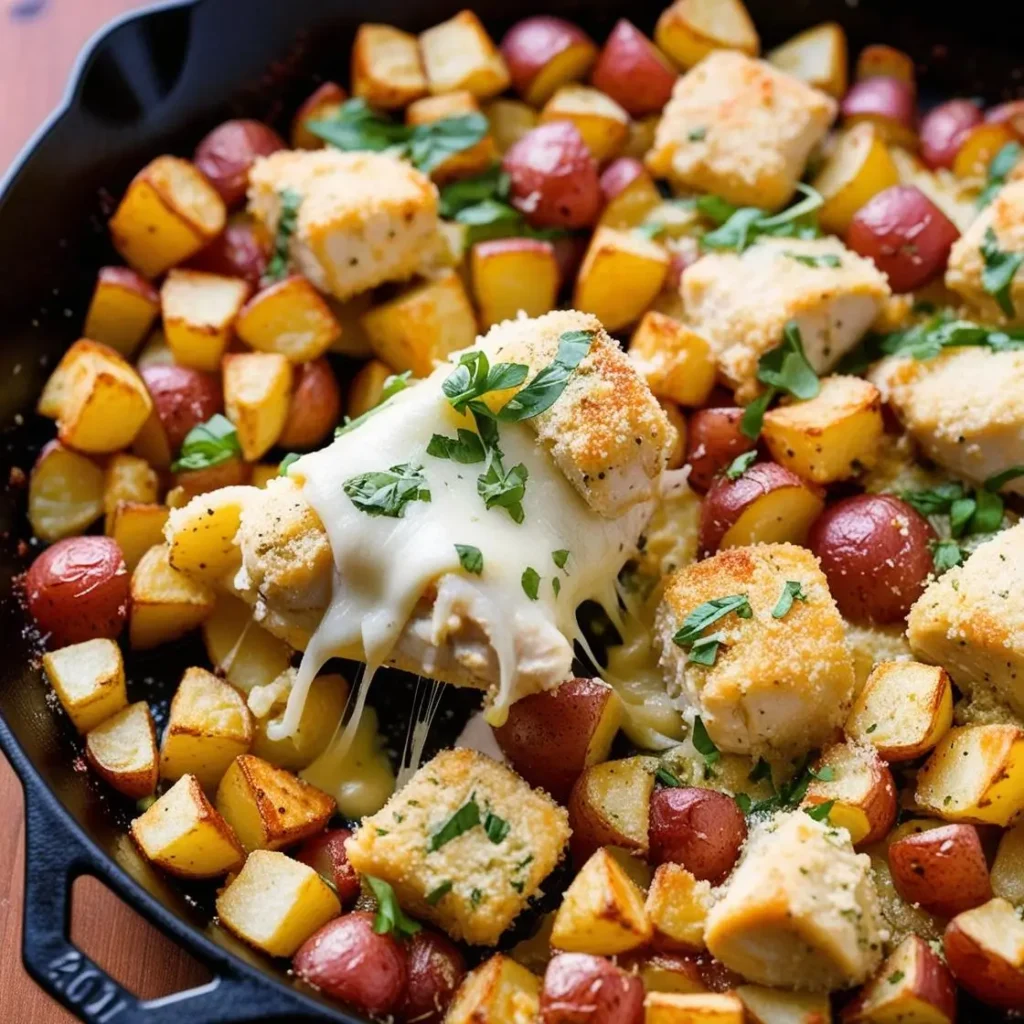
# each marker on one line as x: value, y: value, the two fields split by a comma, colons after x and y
x: 800, y: 910
x: 742, y: 303
x: 363, y: 218
x: 777, y: 685
x: 739, y: 128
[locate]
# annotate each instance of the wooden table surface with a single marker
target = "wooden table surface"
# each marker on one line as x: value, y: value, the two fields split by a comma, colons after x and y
x: 39, y: 40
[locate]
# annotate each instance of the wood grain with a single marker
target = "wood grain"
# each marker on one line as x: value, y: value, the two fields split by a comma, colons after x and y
x: 39, y: 40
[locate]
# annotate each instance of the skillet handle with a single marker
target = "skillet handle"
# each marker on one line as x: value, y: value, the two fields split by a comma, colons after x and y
x: 54, y: 856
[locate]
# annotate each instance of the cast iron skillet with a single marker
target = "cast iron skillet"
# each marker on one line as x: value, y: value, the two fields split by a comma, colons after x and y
x: 152, y: 83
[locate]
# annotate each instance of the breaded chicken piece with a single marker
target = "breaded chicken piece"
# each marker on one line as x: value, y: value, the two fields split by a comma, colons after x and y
x: 739, y: 128
x: 965, y: 408
x: 741, y: 304
x: 606, y: 432
x: 364, y: 218
x: 800, y: 910
x: 778, y: 686
x: 971, y: 620
x: 1004, y: 216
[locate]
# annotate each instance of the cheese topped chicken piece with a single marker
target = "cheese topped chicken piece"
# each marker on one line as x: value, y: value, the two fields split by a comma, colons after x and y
x: 363, y: 218
x: 964, y: 407
x: 800, y: 910
x: 741, y: 129
x: 971, y: 620
x: 742, y: 303
x: 777, y: 686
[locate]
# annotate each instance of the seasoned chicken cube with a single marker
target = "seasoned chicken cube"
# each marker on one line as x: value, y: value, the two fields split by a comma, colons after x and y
x: 800, y: 910
x: 741, y: 303
x: 465, y: 844
x: 739, y: 128
x: 777, y: 685
x: 998, y: 230
x: 964, y: 407
x: 971, y: 620
x: 363, y: 219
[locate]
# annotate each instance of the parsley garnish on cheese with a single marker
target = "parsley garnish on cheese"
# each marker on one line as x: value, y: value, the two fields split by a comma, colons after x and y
x: 820, y: 812
x: 495, y: 827
x: 531, y: 582
x: 467, y: 448
x: 704, y: 649
x: 470, y: 558
x: 386, y: 493
x: 560, y: 557
x: 439, y: 892
x: 501, y: 489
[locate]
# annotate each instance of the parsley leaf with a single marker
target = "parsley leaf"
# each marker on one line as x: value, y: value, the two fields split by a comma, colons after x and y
x: 667, y: 778
x: 495, y: 827
x: 439, y: 892
x: 356, y: 126
x: 390, y: 918
x: 895, y: 978
x: 988, y: 512
x: 741, y: 464
x: 286, y: 462
x: 560, y: 557
x: 287, y: 221
x: 926, y: 340
x: 504, y: 489
x: 703, y: 743
x: 467, y: 448
x: 945, y: 555
x: 707, y: 614
x: 999, y: 170
x: 465, y: 818
x: 474, y: 377
x: 934, y: 501
x: 387, y: 493
x: 549, y: 383
x: 491, y: 184
x: 470, y: 558
x: 704, y: 650
x: 1000, y: 268
x: 827, y: 259
x: 820, y: 812
x: 739, y: 228
x: 792, y: 591
x: 208, y: 444
x: 556, y: 585
x: 531, y: 583
x: 392, y: 385
x: 432, y: 143
x: 824, y: 774
x: 783, y: 369
x: 697, y: 134
x: 997, y: 481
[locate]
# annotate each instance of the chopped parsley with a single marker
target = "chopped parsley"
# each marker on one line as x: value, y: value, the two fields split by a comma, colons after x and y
x: 470, y: 558
x: 556, y: 585
x: 824, y: 774
x: 439, y: 892
x: 286, y: 462
x: 703, y: 650
x: 871, y: 728
x: 476, y: 897
x: 392, y: 385
x: 792, y: 591
x: 739, y: 228
x: 495, y: 827
x: 549, y: 383
x: 501, y: 489
x: 784, y: 369
x: 998, y: 480
x: 667, y: 778
x: 208, y: 444
x: 944, y: 330
x: 287, y: 221
x: 465, y: 818
x: 531, y: 582
x: 741, y: 464
x: 703, y: 743
x: 474, y: 377
x: 1000, y: 269
x: 698, y: 134
x: 467, y: 448
x: 390, y: 919
x: 386, y: 493
x: 946, y: 554
x: 895, y: 978
x: 561, y: 556
x: 820, y: 812
x: 999, y: 170
x: 825, y: 259
x: 518, y: 885
x: 789, y: 795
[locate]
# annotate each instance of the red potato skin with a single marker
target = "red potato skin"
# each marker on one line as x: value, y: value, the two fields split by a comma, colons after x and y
x: 619, y: 175
x: 183, y: 398
x: 553, y: 177
x: 347, y: 960
x: 988, y: 978
x: 436, y: 969
x: 633, y: 72
x: 906, y: 235
x: 315, y: 406
x: 569, y: 253
x: 129, y: 280
x: 1011, y: 114
x: 584, y: 989
x: 531, y: 44
x: 326, y: 855
x: 944, y: 869
x: 78, y: 589
x: 238, y: 251
x: 943, y: 130
x: 226, y: 154
x: 875, y: 552
x: 881, y: 97
x: 714, y: 439
x: 701, y: 829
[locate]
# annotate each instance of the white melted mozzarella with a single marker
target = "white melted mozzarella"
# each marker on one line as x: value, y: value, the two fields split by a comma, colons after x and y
x: 385, y: 566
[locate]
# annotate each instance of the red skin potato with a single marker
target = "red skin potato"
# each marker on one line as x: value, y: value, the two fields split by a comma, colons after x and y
x: 713, y: 440
x: 553, y: 177
x: 701, y: 829
x: 315, y: 407
x: 326, y: 855
x: 880, y: 96
x: 1011, y: 114
x: 633, y: 72
x: 226, y: 154
x: 78, y: 589
x: 943, y: 130
x: 619, y: 175
x: 237, y: 251
x: 906, y: 235
x: 130, y: 280
x: 531, y: 44
x: 569, y: 253
x: 584, y: 989
x: 183, y: 398
x: 436, y: 969
x: 347, y: 960
x: 985, y: 975
x: 875, y: 552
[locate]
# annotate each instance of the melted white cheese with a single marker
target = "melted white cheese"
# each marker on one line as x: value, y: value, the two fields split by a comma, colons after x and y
x: 385, y: 567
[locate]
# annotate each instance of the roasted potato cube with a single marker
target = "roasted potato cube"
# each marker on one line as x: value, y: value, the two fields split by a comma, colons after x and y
x: 51, y: 401
x: 127, y: 478
x: 122, y: 751
x: 386, y: 67
x: 603, y: 124
x: 677, y: 906
x: 499, y: 991
x: 776, y: 1006
x: 602, y: 911
x: 257, y: 388
x: 199, y: 312
x: 201, y: 535
x: 65, y: 493
x: 690, y: 29
x: 268, y: 807
x: 609, y: 806
x: 621, y: 274
x: 468, y: 162
x: 183, y: 834
x: 1007, y: 873
x: 240, y: 648
x: 422, y: 325
x: 290, y: 318
x: 459, y: 54
x: 322, y: 104
x: 830, y: 437
x: 903, y: 710
x: 166, y: 604
x: 208, y: 727
x: 168, y: 214
x: 136, y: 527
x: 976, y: 773
x: 817, y: 56
x: 123, y: 308
x: 984, y: 949
x: 513, y: 274
x: 276, y: 903
x: 677, y: 363
x: 510, y: 120
x: 88, y: 678
x: 693, y: 1008
x: 367, y: 387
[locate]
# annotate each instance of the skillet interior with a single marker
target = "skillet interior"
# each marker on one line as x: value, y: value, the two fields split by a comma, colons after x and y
x: 155, y: 84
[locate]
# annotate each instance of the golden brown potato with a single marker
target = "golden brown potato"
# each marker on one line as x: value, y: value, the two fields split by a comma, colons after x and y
x: 497, y: 988
x: 464, y: 164
x: 510, y: 120
x: 459, y: 54
x: 609, y: 806
x: 677, y: 363
x: 199, y: 313
x: 817, y: 56
x: 122, y: 751
x: 201, y: 535
x: 386, y: 68
x: 65, y: 493
x: 257, y: 390
x: 136, y: 527
x: 165, y: 603
x: 693, y: 1008
x: 603, y: 124
x: 127, y: 478
x: 367, y: 387
x: 677, y: 905
x: 241, y: 649
x: 512, y: 275
x: 690, y: 29
x: 123, y: 308
x: 289, y: 317
x: 88, y: 678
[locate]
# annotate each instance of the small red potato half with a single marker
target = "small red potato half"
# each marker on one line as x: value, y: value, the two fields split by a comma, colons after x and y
x: 888, y: 103
x: 943, y: 129
x: 347, y: 960
x: 633, y: 71
x: 436, y: 968
x: 875, y: 552
x: 78, y: 590
x: 943, y: 869
x: 227, y: 153
x: 315, y: 408
x: 584, y: 989
x: 240, y: 250
x: 609, y: 806
x: 701, y: 829
x: 985, y: 951
x: 544, y: 53
x: 326, y: 855
x: 183, y: 398
x: 713, y: 440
